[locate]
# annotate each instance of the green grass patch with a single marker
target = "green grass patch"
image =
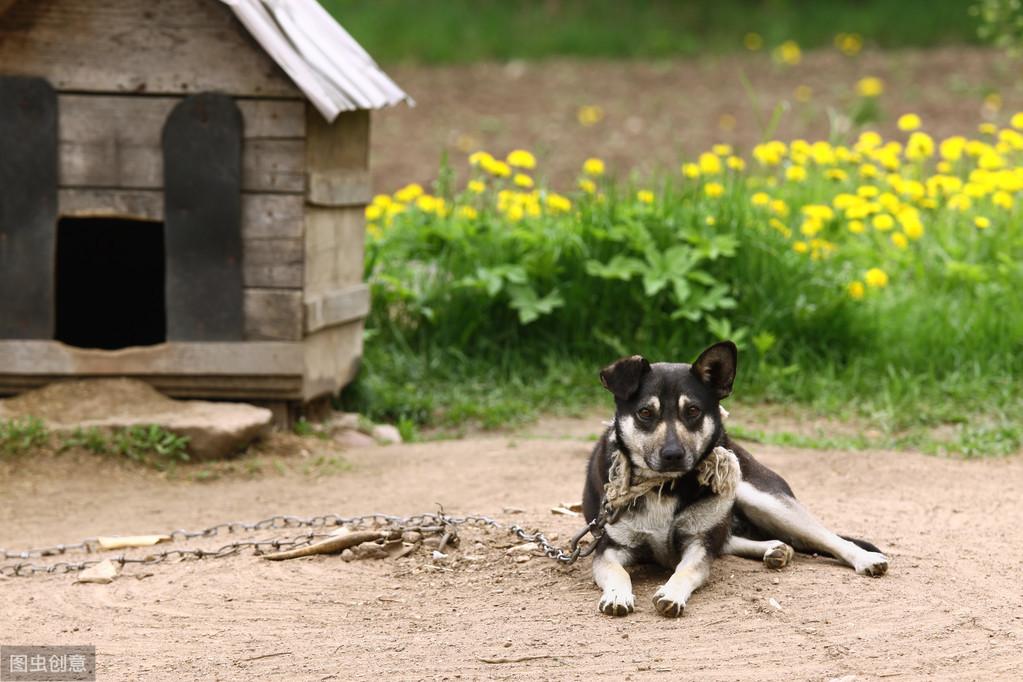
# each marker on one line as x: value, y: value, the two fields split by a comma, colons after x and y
x: 22, y: 434
x: 446, y: 31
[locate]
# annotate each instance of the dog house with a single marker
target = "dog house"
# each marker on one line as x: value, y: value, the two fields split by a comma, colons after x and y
x: 182, y: 186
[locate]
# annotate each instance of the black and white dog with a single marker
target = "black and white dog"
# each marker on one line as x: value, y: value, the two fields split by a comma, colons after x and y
x: 682, y: 492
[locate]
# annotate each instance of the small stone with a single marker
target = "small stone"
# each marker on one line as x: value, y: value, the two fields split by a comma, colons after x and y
x: 437, y: 556
x: 102, y: 573
x: 522, y: 558
x: 523, y: 548
x: 387, y: 434
x: 351, y: 439
x: 774, y: 603
x: 347, y: 555
x: 341, y: 421
x: 412, y: 536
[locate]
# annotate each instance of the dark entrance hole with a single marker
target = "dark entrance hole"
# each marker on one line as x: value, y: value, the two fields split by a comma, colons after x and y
x: 110, y: 283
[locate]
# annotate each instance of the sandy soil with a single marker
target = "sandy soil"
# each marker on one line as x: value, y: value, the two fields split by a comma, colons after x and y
x: 950, y: 608
x: 656, y: 111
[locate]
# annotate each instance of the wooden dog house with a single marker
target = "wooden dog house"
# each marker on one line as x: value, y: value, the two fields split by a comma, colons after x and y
x: 182, y: 186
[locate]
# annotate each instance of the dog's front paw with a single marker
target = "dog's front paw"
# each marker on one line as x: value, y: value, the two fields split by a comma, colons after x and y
x: 615, y: 603
x: 778, y: 556
x: 668, y: 603
x: 873, y: 564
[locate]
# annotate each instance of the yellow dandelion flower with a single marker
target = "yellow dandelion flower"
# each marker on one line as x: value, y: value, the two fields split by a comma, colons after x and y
x: 960, y: 202
x: 856, y: 290
x: 523, y: 180
x: 735, y: 163
x: 849, y: 44
x: 908, y: 122
x: 426, y: 203
x: 769, y: 153
x: 795, y: 174
x: 496, y: 168
x: 752, y: 41
x: 515, y: 212
x: 883, y: 222
x: 382, y: 200
x: 760, y: 199
x: 981, y: 222
x: 714, y: 189
x: 869, y: 170
x: 587, y: 185
x: 722, y: 150
x: 558, y: 204
x: 711, y: 220
x: 836, y: 174
x: 1017, y: 120
x: 943, y: 167
x: 800, y: 246
x: 468, y: 212
x: 480, y: 158
x: 589, y: 115
x: 988, y: 128
x: 520, y: 158
x: 690, y: 170
x: 476, y: 186
x: 374, y: 212
x: 780, y: 227
x: 810, y: 227
x: 871, y: 86
x: 409, y: 193
x: 779, y: 207
x: 788, y: 53
x: 593, y: 166
x: 710, y: 164
x: 899, y: 240
x: 876, y: 277
x: 1002, y: 199
x: 856, y: 226
x: 919, y: 147
x: 645, y: 196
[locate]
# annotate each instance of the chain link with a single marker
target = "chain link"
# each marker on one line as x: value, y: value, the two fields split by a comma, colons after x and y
x: 427, y: 523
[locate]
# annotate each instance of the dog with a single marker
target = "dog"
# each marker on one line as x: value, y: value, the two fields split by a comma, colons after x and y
x: 679, y: 492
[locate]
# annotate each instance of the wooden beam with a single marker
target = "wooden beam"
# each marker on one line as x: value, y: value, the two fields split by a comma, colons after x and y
x: 337, y: 307
x: 52, y: 358
x: 137, y: 46
x: 264, y: 216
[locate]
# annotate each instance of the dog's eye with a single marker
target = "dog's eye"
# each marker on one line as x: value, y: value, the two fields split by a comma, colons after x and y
x: 692, y: 411
x: 645, y: 413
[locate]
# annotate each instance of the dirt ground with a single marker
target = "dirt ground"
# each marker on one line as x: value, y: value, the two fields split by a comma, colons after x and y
x: 951, y: 606
x: 656, y: 111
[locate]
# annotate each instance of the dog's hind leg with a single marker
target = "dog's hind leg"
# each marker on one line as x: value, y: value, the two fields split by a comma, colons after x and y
x: 782, y: 516
x: 610, y: 575
x: 774, y: 553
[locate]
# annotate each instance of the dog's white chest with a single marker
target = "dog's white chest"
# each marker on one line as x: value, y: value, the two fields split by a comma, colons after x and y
x: 649, y: 526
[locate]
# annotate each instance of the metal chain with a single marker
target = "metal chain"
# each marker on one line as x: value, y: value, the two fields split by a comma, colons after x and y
x: 429, y: 522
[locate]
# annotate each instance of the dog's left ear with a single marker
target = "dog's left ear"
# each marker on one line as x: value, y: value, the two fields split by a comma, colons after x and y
x: 715, y: 367
x: 622, y: 377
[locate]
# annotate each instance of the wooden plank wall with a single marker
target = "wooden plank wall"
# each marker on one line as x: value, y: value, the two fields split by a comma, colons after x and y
x: 111, y: 164
x: 137, y: 46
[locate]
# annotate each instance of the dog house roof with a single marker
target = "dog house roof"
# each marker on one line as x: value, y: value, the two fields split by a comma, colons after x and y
x: 323, y: 60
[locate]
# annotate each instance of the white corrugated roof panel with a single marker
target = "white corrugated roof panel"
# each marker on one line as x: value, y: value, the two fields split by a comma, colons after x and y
x: 319, y: 55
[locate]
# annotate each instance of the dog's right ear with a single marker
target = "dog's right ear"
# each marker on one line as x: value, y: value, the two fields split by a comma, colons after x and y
x: 622, y: 377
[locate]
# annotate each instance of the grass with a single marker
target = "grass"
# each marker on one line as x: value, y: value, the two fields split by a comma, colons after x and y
x: 450, y: 31
x: 861, y: 277
x: 149, y: 445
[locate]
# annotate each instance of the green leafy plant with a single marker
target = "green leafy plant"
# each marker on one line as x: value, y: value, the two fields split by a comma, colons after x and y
x: 21, y: 434
x: 92, y: 439
x: 151, y: 445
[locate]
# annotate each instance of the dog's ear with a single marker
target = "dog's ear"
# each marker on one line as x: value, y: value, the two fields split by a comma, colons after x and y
x: 715, y: 367
x: 622, y: 377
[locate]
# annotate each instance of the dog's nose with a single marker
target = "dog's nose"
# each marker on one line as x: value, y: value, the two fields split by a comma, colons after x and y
x: 672, y: 454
